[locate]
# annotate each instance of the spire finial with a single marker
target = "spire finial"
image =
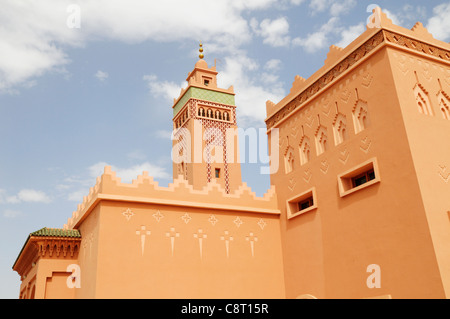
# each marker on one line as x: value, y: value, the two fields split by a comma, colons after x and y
x: 201, y: 56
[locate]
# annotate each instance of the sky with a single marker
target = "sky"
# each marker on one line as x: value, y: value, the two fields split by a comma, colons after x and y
x: 89, y: 83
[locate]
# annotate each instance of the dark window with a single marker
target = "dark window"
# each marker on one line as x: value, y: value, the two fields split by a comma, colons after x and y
x: 304, y: 204
x: 206, y: 82
x: 363, y: 178
x: 217, y: 172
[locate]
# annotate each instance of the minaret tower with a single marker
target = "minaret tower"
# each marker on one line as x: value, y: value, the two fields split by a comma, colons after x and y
x: 205, y: 143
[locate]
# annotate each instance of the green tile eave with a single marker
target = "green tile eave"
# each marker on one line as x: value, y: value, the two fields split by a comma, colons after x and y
x: 49, y: 232
x: 56, y: 232
x: 204, y: 94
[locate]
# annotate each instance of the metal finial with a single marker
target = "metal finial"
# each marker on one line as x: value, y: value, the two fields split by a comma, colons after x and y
x: 201, y: 56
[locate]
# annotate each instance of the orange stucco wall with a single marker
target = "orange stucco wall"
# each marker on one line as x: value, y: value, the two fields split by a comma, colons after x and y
x: 133, y: 268
x: 428, y: 139
x: 327, y: 251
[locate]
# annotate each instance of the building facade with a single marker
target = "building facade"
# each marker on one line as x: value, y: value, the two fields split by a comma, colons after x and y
x: 359, y: 206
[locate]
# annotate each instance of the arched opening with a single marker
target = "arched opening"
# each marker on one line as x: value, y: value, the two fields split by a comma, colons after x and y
x: 305, y: 151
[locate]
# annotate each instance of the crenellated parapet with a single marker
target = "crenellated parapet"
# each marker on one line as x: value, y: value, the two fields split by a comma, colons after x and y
x: 340, y: 61
x: 144, y: 189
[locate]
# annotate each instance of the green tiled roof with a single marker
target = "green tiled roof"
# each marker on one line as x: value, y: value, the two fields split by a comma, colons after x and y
x: 50, y: 232
x: 204, y: 94
x: 56, y: 232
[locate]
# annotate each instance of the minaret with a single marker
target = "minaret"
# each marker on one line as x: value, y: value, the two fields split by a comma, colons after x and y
x: 203, y: 116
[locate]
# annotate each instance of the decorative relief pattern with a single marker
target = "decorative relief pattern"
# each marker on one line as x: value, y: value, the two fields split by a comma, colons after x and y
x: 343, y: 156
x: 339, y: 128
x: 289, y: 160
x: 200, y: 236
x: 416, y: 45
x: 186, y: 218
x: 218, y: 130
x: 360, y: 113
x: 307, y: 175
x: 143, y: 232
x: 305, y: 150
x: 324, y: 166
x: 365, y: 144
x: 128, y: 214
x: 367, y: 80
x: 443, y: 173
x: 252, y: 239
x: 158, y: 216
x: 319, y: 84
x: 262, y: 224
x: 213, y: 220
x: 227, y: 239
x: 238, y: 222
x: 292, y: 183
x: 172, y: 234
x: 355, y: 56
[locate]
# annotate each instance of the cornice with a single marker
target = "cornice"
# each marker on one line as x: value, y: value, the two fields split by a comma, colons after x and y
x: 381, y: 39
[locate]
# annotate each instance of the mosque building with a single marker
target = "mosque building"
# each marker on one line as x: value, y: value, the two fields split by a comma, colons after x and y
x: 359, y: 204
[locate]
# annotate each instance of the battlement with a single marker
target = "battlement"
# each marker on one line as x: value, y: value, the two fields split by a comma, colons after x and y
x: 144, y: 189
x: 340, y: 61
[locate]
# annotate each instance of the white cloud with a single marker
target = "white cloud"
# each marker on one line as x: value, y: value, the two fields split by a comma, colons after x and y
x: 101, y: 76
x: 10, y: 213
x: 77, y: 196
x: 31, y: 38
x: 269, y: 78
x: 275, y: 32
x: 272, y: 65
x: 297, y: 2
x: 165, y: 89
x: 35, y: 34
x: 127, y: 174
x: 165, y: 134
x: 319, y: 39
x: 242, y: 72
x: 136, y: 155
x: 394, y: 17
x: 340, y: 7
x: 25, y: 196
x: 439, y: 24
x: 335, y: 7
x: 350, y: 34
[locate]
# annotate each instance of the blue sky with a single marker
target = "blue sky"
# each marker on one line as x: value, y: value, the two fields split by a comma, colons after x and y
x: 76, y: 97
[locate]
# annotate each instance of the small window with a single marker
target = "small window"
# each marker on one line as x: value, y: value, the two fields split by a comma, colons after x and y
x: 301, y: 204
x: 217, y: 172
x: 305, y: 204
x: 359, y: 178
x: 206, y: 82
x: 363, y: 178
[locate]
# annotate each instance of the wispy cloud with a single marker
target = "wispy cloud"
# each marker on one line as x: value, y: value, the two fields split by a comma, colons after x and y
x: 25, y: 196
x: 248, y: 79
x: 10, y: 213
x: 274, y: 32
x: 36, y: 35
x: 439, y: 23
x: 164, y: 89
x: 334, y: 7
x: 320, y: 39
x: 127, y: 174
x: 349, y: 34
x: 101, y: 76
